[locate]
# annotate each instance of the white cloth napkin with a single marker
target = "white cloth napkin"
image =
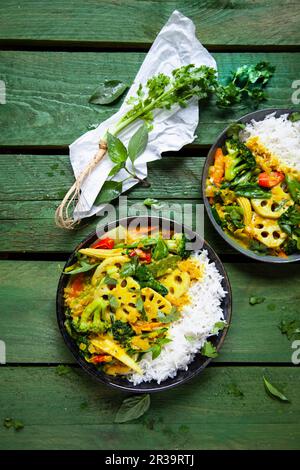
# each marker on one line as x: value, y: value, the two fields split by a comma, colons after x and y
x: 175, y: 45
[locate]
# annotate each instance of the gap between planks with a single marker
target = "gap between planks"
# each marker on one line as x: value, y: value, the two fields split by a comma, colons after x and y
x: 33, y: 45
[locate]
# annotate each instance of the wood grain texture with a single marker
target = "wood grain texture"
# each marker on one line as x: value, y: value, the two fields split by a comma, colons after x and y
x: 136, y: 22
x: 48, y: 177
x: 29, y: 226
x: 28, y: 318
x: 73, y: 412
x: 47, y: 93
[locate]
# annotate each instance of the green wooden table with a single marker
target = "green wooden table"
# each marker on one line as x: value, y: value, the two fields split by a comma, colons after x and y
x: 53, y: 55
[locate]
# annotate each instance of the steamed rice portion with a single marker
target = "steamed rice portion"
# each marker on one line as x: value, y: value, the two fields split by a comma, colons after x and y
x: 280, y: 136
x: 197, y: 321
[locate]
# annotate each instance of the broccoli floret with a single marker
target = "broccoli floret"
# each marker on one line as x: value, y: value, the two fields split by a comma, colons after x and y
x: 90, y: 320
x: 177, y: 244
x: 122, y: 332
x: 238, y: 159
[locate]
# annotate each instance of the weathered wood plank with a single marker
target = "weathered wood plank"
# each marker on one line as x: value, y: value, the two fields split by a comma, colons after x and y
x: 46, y: 177
x: 218, y: 23
x: 29, y: 226
x: 73, y: 412
x: 28, y: 319
x: 48, y: 92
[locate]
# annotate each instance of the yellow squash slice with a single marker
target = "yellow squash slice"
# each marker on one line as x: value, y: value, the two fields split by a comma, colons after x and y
x: 267, y: 231
x: 109, y: 346
x: 154, y: 302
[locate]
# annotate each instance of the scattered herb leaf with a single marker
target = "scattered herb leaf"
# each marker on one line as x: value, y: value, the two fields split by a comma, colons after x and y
x: 12, y: 423
x: 108, y: 92
x: 133, y: 408
x: 83, y: 405
x: 62, y: 369
x: 273, y: 391
x: 149, y: 202
x: 256, y: 300
x: 234, y: 390
x: 290, y: 328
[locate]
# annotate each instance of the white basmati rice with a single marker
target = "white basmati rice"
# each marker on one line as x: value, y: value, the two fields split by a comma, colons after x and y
x: 280, y: 136
x: 197, y: 320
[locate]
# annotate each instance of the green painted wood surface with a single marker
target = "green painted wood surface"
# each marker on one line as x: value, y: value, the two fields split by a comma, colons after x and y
x: 47, y: 177
x: 28, y: 318
x: 28, y: 226
x: 73, y: 412
x: 218, y: 22
x: 47, y: 93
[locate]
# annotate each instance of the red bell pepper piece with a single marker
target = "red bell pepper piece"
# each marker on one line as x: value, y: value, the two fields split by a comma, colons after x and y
x: 100, y: 358
x: 143, y: 256
x: 268, y: 180
x: 104, y: 243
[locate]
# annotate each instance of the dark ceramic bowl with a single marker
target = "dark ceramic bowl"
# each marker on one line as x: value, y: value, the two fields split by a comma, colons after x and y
x: 257, y: 116
x: 194, y: 368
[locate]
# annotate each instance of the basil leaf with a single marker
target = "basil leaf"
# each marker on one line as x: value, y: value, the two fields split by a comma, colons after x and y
x: 138, y: 143
x: 108, y: 92
x: 273, y: 391
x: 209, y: 350
x: 85, y: 267
x: 160, y: 251
x: 294, y: 117
x: 156, y: 350
x: 109, y: 191
x: 159, y: 268
x: 115, y: 169
x: 294, y: 188
x: 256, y: 300
x: 117, y: 151
x: 132, y: 408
